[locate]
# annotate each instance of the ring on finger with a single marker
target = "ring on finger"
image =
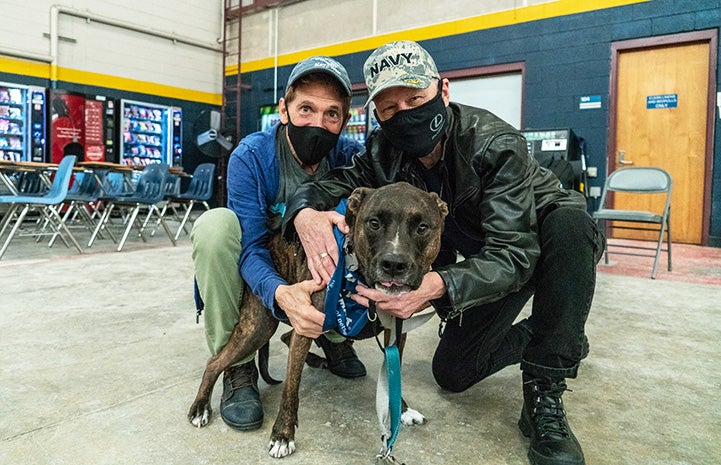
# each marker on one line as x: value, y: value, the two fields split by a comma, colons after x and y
x: 323, y: 255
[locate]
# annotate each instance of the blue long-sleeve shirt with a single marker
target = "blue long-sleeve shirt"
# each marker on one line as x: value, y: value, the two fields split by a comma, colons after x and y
x: 253, y: 183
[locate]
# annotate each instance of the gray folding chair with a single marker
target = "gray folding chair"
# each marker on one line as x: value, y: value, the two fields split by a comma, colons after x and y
x: 642, y: 181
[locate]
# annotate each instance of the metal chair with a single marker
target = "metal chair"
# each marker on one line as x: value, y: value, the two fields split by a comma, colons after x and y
x: 43, y: 203
x: 199, y: 191
x: 149, y: 191
x: 643, y: 181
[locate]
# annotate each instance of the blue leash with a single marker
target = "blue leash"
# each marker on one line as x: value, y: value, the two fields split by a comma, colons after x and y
x: 393, y: 371
x: 392, y: 364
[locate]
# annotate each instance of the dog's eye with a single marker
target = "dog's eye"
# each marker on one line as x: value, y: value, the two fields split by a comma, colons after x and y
x: 374, y: 224
x: 422, y: 228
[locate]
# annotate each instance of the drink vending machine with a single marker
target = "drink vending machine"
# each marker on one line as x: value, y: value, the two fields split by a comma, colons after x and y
x: 150, y: 134
x: 22, y: 122
x: 82, y: 125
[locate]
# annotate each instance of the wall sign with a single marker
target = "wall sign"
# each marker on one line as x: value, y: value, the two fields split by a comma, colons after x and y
x: 588, y: 102
x: 661, y: 101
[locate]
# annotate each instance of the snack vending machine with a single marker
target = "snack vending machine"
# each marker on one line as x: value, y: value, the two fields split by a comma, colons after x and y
x: 81, y: 125
x: 22, y: 123
x: 150, y: 134
x: 357, y: 124
x: 269, y: 115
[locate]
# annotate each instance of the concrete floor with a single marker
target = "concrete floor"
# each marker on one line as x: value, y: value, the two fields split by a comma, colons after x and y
x: 100, y: 358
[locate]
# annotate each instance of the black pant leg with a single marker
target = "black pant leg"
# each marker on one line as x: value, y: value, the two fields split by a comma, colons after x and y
x: 481, y: 342
x: 564, y: 280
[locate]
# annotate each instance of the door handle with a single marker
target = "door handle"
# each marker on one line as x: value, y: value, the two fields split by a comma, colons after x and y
x: 622, y: 158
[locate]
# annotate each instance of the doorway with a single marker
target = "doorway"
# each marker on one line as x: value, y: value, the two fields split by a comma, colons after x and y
x: 662, y: 114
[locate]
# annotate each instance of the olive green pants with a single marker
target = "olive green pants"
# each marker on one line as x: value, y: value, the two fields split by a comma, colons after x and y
x: 216, y: 239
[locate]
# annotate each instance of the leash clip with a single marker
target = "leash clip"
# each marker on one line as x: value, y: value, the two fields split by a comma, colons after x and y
x: 385, y: 457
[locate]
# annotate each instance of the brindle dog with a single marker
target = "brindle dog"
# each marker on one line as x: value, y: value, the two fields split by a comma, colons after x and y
x: 395, y: 234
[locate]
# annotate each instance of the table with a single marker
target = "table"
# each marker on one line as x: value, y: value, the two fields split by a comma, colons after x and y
x: 7, y: 168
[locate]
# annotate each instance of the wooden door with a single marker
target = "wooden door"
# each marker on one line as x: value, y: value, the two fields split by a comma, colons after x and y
x: 661, y: 117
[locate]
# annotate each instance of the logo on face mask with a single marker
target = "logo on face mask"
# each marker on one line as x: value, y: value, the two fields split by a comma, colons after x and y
x: 437, y: 124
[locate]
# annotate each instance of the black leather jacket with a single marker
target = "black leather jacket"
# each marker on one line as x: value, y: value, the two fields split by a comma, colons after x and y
x: 496, y: 193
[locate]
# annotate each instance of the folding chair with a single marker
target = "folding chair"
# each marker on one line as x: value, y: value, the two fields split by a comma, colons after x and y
x: 44, y: 204
x: 643, y: 181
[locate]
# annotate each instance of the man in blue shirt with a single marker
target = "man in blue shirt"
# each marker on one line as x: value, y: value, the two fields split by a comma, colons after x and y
x: 263, y: 171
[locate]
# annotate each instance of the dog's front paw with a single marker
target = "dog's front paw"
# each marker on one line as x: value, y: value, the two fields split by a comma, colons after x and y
x: 412, y: 417
x: 199, y: 414
x: 280, y: 448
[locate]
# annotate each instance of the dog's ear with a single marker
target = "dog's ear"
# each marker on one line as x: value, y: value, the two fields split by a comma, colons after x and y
x: 354, y: 203
x: 442, y: 206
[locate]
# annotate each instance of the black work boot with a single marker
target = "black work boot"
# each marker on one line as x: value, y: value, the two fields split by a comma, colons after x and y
x: 240, y: 405
x: 342, y: 359
x: 544, y: 421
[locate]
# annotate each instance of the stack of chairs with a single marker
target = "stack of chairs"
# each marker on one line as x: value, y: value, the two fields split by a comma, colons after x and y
x: 199, y: 191
x: 148, y: 193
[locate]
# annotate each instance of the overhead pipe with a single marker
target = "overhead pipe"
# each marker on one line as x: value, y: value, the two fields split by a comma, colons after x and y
x: 57, y: 10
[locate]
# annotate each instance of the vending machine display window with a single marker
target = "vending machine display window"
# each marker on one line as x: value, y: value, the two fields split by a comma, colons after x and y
x: 22, y: 123
x: 150, y: 134
x: 269, y: 115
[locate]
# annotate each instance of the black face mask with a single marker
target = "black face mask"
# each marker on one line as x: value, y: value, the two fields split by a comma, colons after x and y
x: 417, y: 130
x: 311, y: 143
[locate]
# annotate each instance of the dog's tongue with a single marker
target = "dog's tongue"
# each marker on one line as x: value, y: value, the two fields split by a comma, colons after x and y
x: 389, y: 283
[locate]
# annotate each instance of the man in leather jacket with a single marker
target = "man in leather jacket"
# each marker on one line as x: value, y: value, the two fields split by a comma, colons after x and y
x: 512, y: 232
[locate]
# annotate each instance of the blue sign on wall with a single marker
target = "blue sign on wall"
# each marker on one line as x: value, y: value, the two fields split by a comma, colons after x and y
x: 661, y: 101
x: 588, y: 102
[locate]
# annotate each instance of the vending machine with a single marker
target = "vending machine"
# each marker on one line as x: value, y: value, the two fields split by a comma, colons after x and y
x: 150, y: 134
x: 269, y: 115
x: 22, y: 122
x: 82, y: 125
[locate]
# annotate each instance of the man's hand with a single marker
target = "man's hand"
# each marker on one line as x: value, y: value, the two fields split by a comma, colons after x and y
x: 295, y: 301
x: 403, y: 305
x: 315, y: 230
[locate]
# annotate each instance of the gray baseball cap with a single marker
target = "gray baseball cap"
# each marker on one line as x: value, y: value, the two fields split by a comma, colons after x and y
x: 403, y: 63
x: 321, y: 64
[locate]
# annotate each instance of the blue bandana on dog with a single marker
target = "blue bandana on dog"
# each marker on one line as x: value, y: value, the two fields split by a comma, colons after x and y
x: 342, y: 313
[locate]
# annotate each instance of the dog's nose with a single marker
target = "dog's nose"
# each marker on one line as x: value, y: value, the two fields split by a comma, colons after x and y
x: 394, y: 264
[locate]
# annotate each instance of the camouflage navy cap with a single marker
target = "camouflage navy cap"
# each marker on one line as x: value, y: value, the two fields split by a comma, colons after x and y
x: 403, y: 63
x: 321, y: 64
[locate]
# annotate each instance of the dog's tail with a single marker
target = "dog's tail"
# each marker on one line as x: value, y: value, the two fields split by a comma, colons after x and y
x: 263, y: 356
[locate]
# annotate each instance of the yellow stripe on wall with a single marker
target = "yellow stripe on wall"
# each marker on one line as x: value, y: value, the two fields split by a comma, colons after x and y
x: 134, y: 85
x: 25, y: 68
x: 461, y: 26
x: 42, y: 71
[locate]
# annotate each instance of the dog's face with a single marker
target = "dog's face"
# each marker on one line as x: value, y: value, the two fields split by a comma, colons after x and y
x: 395, y: 233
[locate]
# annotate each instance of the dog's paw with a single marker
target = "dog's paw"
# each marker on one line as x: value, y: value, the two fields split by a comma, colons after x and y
x: 199, y: 414
x: 412, y: 417
x: 280, y: 448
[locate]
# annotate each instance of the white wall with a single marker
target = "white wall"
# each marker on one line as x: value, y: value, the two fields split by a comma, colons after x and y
x: 100, y: 54
x: 113, y: 52
x: 318, y: 23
